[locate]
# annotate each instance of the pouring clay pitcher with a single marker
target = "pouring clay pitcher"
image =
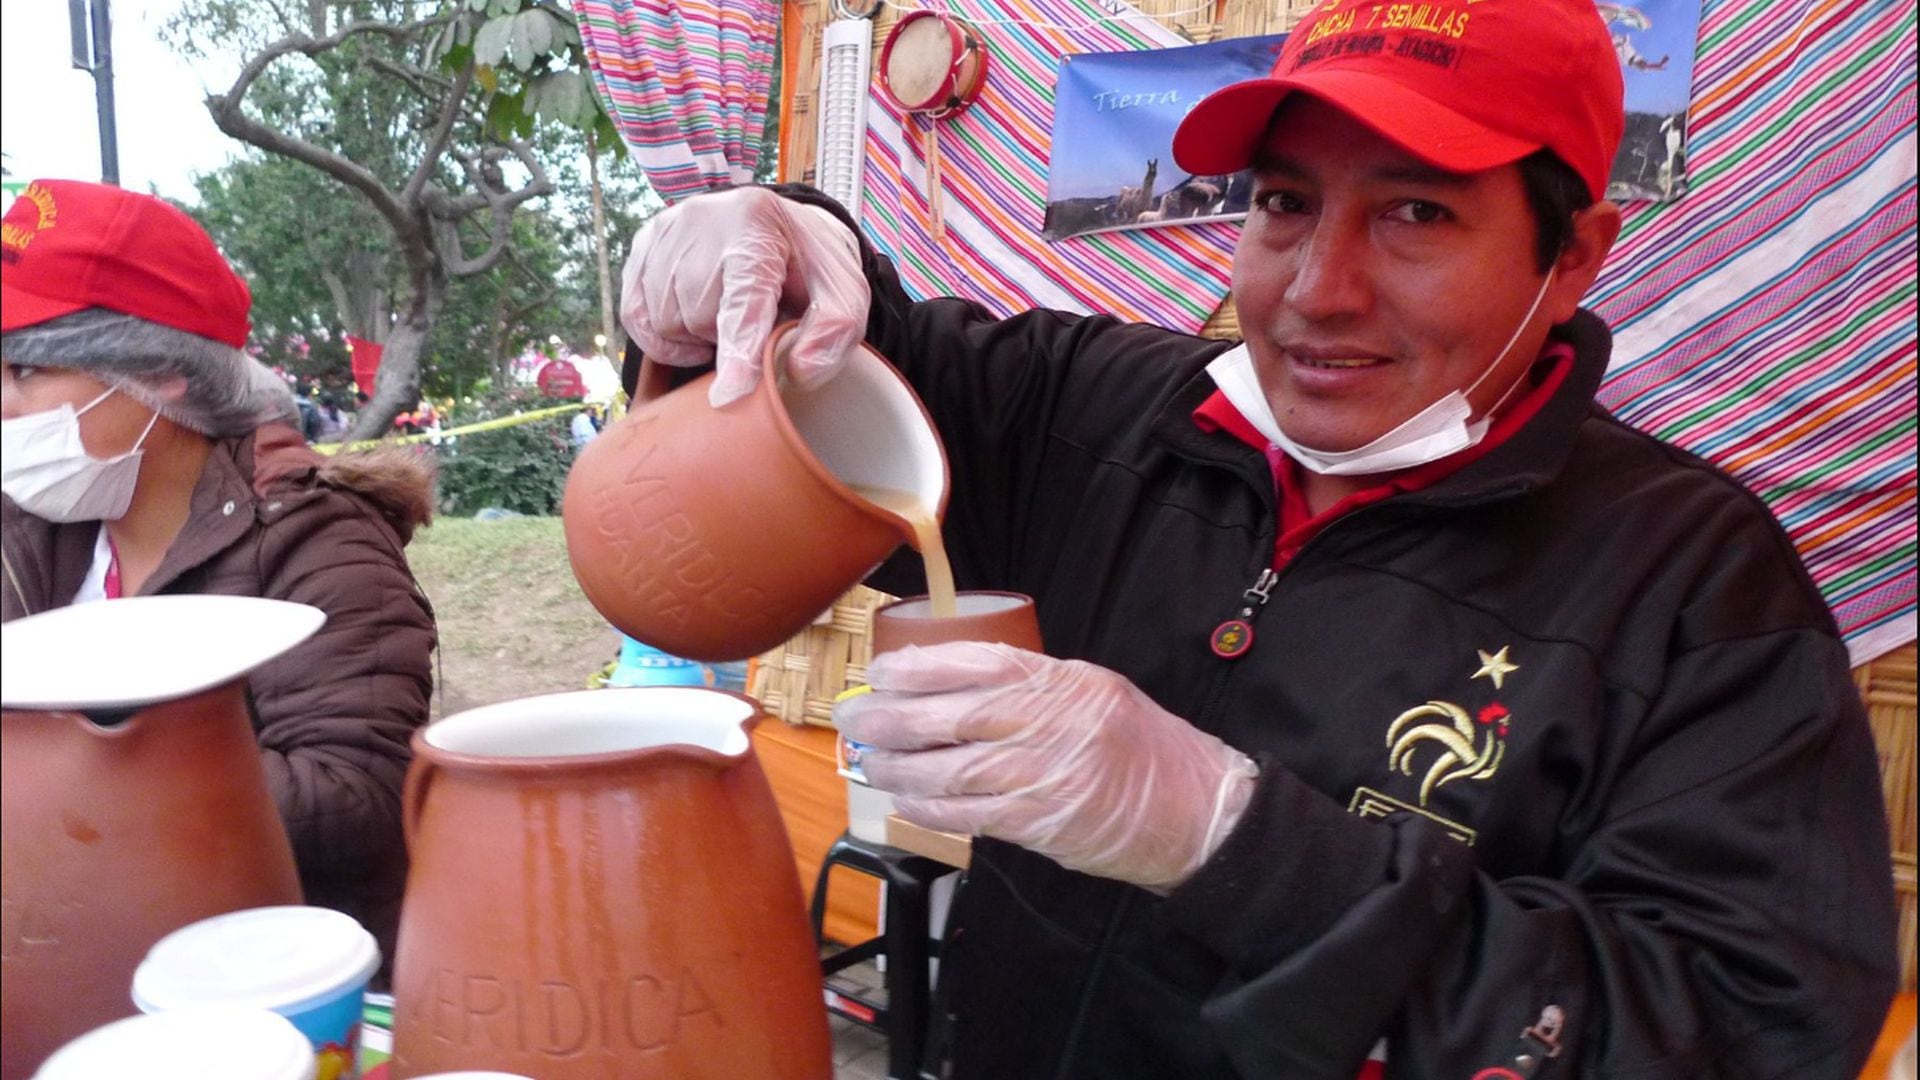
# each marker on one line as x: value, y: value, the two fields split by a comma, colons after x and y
x: 716, y: 534
x: 132, y: 798
x: 602, y: 889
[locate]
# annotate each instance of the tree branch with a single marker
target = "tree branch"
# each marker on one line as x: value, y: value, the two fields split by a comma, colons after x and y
x: 441, y: 136
x: 499, y: 203
x: 422, y: 82
x: 342, y: 306
x: 230, y: 118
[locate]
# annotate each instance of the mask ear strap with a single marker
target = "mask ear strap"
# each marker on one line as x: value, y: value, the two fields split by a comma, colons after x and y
x: 104, y: 395
x: 151, y: 420
x: 1538, y: 298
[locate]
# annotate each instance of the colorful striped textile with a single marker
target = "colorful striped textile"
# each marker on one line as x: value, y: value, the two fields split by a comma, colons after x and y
x: 1766, y: 319
x: 993, y: 171
x: 686, y: 82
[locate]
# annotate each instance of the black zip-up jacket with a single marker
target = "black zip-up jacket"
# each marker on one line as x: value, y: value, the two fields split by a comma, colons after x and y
x: 1566, y: 742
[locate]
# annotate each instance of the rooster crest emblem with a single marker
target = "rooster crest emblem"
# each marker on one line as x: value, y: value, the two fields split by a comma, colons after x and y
x: 1470, y: 747
x: 1466, y: 746
x: 1468, y: 750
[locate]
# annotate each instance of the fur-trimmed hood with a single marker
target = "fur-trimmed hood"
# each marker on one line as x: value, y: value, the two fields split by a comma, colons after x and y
x: 397, y: 480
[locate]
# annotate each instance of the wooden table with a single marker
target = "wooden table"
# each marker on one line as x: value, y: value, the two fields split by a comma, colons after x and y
x: 950, y: 848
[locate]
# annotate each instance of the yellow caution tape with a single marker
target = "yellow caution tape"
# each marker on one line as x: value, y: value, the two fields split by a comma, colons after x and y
x: 465, y: 429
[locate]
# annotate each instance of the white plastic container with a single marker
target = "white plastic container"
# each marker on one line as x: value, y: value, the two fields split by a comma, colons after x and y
x: 207, y: 1043
x: 867, y: 810
x: 308, y: 964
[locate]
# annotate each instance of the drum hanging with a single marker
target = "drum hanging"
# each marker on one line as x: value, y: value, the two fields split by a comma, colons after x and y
x: 933, y: 65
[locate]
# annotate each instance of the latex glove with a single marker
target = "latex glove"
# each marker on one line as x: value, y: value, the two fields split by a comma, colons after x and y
x: 707, y: 279
x: 1058, y: 756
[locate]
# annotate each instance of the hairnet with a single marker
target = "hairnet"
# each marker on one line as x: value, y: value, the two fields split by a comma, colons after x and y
x: 227, y: 392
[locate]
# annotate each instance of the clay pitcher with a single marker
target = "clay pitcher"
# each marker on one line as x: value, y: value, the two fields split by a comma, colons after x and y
x: 716, y: 534
x: 132, y: 798
x: 602, y: 889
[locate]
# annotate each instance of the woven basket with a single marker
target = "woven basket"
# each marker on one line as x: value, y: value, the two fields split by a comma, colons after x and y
x: 798, y: 681
x: 1888, y: 687
x: 1224, y: 323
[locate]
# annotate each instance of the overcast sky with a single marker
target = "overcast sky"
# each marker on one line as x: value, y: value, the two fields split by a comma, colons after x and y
x: 48, y: 124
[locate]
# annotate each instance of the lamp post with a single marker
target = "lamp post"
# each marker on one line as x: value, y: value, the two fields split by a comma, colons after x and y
x: 92, y: 29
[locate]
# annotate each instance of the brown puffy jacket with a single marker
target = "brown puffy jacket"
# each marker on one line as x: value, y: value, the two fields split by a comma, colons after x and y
x: 272, y: 518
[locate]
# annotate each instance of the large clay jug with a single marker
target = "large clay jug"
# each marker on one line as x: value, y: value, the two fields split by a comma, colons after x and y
x: 132, y: 798
x: 602, y: 889
x: 716, y: 534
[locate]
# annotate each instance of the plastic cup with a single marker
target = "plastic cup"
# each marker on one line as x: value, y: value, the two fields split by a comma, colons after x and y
x: 308, y: 964
x: 205, y: 1043
x: 867, y: 807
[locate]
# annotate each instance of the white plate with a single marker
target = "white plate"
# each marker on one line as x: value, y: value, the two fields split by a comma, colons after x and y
x: 115, y: 654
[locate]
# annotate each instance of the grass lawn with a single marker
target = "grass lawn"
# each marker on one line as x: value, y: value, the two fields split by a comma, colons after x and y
x: 512, y: 620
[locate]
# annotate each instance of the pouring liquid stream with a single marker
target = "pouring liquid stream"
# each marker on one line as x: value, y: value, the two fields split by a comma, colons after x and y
x: 926, y: 540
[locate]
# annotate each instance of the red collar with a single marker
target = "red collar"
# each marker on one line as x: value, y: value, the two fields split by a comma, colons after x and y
x: 1298, y: 524
x: 111, y: 585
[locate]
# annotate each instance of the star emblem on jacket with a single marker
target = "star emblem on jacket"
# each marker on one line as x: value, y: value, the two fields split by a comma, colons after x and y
x: 1495, y: 666
x: 1448, y: 743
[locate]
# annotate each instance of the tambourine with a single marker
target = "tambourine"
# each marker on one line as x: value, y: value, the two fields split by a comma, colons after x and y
x: 933, y: 65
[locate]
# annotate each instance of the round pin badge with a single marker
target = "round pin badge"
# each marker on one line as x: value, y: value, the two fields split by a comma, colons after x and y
x: 1232, y: 638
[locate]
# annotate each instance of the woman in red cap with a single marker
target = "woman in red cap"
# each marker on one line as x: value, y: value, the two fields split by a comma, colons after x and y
x: 145, y: 453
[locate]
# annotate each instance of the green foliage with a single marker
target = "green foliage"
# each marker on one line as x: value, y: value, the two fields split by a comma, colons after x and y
x: 319, y: 258
x: 288, y: 229
x: 521, y: 468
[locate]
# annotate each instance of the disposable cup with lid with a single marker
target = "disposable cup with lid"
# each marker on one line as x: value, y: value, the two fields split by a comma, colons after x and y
x: 309, y: 964
x: 209, y: 1042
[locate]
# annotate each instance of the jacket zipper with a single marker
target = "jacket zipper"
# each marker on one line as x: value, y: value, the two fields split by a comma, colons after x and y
x: 1232, y: 638
x: 1254, y: 600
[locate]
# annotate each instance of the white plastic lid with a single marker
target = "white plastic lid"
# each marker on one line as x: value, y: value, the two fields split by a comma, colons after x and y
x: 279, y: 958
x: 119, y: 654
x: 212, y: 1043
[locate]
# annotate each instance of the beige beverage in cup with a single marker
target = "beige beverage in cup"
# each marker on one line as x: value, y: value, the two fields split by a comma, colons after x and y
x: 1004, y: 618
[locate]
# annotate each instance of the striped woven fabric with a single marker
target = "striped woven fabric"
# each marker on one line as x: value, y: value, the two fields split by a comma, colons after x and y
x: 993, y: 170
x: 1766, y: 319
x: 686, y: 82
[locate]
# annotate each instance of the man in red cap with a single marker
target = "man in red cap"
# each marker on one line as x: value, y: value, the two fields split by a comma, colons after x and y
x: 1402, y: 713
x: 146, y: 453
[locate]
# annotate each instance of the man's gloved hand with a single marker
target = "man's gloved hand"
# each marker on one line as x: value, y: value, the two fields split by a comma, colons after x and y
x: 1058, y: 756
x: 707, y: 279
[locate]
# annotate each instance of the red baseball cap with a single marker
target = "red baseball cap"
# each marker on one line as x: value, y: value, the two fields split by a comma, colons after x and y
x: 67, y: 245
x: 1465, y: 85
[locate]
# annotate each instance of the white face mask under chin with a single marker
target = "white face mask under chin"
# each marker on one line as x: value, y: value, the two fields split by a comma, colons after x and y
x: 45, y: 467
x: 1439, y: 430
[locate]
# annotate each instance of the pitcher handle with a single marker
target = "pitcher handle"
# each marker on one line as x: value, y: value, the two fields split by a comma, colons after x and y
x: 413, y: 798
x: 655, y: 380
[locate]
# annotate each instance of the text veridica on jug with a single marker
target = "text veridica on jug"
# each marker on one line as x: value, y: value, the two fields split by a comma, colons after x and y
x: 662, y: 562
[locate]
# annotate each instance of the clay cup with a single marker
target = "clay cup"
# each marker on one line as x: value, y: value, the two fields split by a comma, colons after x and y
x: 1004, y: 618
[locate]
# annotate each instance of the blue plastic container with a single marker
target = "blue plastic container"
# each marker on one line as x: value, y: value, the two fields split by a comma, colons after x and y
x: 730, y: 675
x: 643, y: 665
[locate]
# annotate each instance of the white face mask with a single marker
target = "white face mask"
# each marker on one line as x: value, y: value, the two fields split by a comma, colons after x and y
x: 1434, y: 432
x: 46, y: 468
